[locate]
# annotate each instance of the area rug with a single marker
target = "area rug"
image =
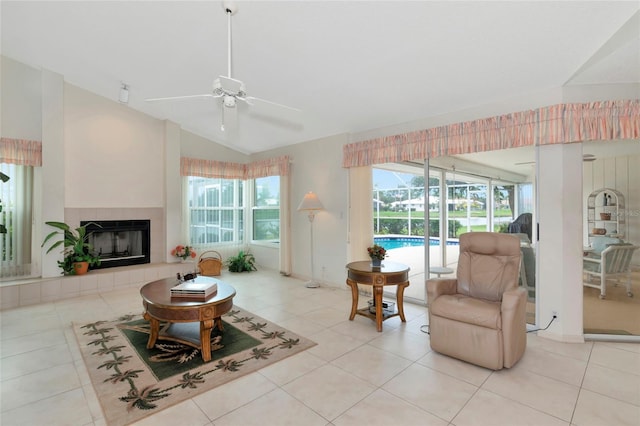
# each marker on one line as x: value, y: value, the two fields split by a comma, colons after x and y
x: 133, y: 382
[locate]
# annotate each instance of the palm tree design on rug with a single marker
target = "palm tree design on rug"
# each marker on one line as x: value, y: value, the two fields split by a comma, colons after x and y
x: 144, y: 396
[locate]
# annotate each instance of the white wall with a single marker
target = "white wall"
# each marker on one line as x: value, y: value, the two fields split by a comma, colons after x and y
x: 194, y: 146
x: 316, y: 166
x: 21, y: 116
x: 114, y: 155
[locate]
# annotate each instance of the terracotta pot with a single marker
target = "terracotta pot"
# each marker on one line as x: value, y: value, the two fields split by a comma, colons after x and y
x: 605, y: 216
x: 81, y: 268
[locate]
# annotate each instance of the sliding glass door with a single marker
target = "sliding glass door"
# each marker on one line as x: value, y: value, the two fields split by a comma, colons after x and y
x: 420, y: 213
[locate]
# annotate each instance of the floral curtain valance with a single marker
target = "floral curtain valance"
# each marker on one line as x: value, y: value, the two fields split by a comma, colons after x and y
x: 211, y: 168
x: 278, y: 166
x: 220, y: 169
x: 21, y: 152
x: 563, y: 123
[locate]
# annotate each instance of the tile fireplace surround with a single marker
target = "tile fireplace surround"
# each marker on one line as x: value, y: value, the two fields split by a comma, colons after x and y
x: 32, y: 291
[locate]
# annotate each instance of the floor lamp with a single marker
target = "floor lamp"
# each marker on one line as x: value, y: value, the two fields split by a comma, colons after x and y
x: 311, y: 204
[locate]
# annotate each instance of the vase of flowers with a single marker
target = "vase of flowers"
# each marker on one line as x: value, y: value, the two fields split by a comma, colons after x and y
x: 376, y: 253
x: 183, y: 252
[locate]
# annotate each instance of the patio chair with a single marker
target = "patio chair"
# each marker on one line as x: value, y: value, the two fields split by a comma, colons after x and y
x: 522, y: 225
x: 601, y: 242
x: 613, y: 263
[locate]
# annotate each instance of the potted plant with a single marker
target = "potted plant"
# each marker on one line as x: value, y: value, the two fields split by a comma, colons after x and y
x: 3, y: 178
x: 376, y: 253
x: 183, y: 252
x: 78, y: 253
x: 242, y: 262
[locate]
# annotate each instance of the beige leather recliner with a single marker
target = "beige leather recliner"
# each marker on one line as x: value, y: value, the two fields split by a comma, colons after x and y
x: 480, y: 316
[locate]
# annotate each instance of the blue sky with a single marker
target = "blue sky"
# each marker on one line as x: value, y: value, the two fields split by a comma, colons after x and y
x: 383, y: 179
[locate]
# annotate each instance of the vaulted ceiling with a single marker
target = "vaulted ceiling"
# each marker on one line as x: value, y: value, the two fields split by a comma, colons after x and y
x: 349, y: 66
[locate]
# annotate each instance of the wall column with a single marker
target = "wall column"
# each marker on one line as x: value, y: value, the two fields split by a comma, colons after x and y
x: 52, y: 172
x: 560, y: 245
x: 175, y: 225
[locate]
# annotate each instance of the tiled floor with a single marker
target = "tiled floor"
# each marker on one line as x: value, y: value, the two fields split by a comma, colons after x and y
x: 354, y: 376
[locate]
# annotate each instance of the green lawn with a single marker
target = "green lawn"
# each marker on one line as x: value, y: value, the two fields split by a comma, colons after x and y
x: 436, y: 215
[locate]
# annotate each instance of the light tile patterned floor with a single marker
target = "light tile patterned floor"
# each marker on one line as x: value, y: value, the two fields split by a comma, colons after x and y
x: 355, y: 376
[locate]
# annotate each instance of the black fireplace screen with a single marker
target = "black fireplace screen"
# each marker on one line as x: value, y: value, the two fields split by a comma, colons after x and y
x: 119, y: 242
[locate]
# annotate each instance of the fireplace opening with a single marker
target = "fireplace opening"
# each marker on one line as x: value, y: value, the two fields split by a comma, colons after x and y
x: 120, y: 242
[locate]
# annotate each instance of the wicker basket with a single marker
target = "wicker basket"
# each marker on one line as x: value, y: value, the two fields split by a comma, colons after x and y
x: 210, y: 263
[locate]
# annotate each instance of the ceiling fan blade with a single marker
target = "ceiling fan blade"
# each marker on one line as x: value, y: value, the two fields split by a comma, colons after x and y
x: 230, y: 85
x: 254, y: 101
x: 177, y: 98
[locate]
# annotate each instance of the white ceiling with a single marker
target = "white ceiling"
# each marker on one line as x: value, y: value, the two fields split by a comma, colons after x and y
x: 350, y: 66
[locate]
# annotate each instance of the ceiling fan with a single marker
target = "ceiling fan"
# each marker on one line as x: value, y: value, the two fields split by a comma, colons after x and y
x: 229, y: 89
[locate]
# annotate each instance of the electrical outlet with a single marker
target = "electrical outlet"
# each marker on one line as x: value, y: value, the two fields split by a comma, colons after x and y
x: 554, y: 314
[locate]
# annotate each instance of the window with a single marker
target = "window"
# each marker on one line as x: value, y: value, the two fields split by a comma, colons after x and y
x: 525, y: 198
x: 216, y: 210
x: 15, y: 242
x: 503, y: 206
x: 266, y: 209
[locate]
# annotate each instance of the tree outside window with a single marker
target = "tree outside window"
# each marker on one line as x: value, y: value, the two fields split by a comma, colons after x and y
x: 266, y: 209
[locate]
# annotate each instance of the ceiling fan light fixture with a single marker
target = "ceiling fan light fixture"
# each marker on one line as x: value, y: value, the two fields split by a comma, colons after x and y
x: 229, y: 101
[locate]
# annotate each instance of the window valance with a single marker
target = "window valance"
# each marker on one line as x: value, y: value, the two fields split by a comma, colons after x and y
x: 21, y: 152
x: 278, y: 166
x: 563, y: 123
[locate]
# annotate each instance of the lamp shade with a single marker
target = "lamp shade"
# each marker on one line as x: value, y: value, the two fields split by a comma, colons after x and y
x: 310, y: 202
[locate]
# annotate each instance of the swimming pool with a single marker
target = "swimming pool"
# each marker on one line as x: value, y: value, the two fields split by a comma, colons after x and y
x: 390, y: 243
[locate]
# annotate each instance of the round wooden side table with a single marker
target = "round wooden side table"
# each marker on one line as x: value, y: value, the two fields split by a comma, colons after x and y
x: 390, y: 273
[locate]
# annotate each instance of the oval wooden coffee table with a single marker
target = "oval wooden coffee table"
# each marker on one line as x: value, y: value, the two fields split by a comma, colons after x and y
x: 159, y: 306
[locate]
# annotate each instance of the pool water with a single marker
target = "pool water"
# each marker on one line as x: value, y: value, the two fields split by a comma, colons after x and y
x: 390, y: 243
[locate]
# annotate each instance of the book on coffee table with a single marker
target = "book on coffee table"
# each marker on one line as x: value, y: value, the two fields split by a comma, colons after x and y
x: 194, y: 291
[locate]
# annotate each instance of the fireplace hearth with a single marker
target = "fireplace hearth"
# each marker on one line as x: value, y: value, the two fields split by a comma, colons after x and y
x: 120, y: 242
